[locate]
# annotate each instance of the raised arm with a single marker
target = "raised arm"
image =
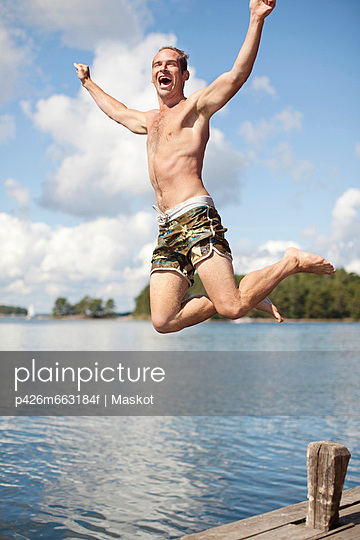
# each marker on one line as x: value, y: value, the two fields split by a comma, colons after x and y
x: 219, y: 92
x: 133, y: 120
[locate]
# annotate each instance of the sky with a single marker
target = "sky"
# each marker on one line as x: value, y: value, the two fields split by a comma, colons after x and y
x: 282, y: 164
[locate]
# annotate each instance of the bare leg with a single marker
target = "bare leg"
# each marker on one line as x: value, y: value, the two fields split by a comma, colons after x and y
x: 258, y: 285
x: 170, y: 314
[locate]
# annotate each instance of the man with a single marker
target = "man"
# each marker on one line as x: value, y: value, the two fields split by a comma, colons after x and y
x: 191, y: 235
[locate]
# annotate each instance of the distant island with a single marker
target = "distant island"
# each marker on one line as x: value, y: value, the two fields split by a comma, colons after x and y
x: 302, y: 296
x: 12, y: 310
x: 95, y: 308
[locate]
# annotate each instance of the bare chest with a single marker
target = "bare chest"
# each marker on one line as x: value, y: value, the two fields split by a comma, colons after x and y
x: 162, y: 132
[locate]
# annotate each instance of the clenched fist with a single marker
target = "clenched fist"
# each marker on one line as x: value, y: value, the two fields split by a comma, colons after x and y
x: 82, y: 71
x: 262, y: 8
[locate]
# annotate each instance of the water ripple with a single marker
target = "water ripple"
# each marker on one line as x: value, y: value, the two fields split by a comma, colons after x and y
x: 90, y: 477
x: 153, y: 478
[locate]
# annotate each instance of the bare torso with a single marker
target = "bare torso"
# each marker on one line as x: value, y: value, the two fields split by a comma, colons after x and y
x: 177, y: 139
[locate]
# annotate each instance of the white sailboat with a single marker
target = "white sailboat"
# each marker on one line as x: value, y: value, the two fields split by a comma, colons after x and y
x: 31, y: 312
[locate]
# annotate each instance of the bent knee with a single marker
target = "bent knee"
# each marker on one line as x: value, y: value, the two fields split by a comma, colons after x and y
x: 161, y: 324
x: 233, y: 311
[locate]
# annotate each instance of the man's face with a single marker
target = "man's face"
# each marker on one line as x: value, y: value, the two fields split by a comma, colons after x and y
x: 166, y: 73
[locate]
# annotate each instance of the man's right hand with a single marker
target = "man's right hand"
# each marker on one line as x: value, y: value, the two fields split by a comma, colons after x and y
x: 83, y: 72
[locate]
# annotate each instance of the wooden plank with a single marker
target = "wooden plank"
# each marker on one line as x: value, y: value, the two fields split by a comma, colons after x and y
x: 350, y: 496
x: 299, y: 532
x: 350, y: 514
x: 273, y: 521
x: 349, y: 534
x: 245, y: 528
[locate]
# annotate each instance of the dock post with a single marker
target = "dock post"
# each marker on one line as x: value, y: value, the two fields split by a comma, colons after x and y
x: 326, y: 465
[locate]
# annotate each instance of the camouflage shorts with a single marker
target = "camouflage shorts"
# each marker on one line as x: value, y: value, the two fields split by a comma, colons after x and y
x: 188, y: 239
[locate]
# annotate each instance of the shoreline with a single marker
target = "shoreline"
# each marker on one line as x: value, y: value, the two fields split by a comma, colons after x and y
x: 130, y: 317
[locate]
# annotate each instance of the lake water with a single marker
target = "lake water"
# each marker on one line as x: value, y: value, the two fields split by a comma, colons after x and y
x: 166, y: 476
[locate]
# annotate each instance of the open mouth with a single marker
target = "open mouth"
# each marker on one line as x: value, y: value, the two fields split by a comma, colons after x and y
x: 164, y: 80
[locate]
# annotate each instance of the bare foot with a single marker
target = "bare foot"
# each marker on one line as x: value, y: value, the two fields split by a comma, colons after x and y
x: 267, y: 306
x: 309, y: 262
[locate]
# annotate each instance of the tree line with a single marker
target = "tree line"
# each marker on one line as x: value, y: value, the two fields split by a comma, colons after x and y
x: 89, y: 307
x: 12, y: 310
x: 302, y: 296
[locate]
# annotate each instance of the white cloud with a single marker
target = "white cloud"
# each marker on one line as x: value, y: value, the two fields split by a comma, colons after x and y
x: 262, y: 84
x: 354, y: 266
x: 277, y: 248
x: 110, y: 257
x: 7, y: 127
x: 289, y: 119
x: 40, y: 263
x: 223, y: 169
x: 266, y: 255
x: 17, y: 192
x: 83, y: 24
x: 342, y: 245
x: 346, y: 213
x: 18, y: 287
x: 255, y: 133
x: 16, y: 56
x: 284, y: 161
x: 302, y: 169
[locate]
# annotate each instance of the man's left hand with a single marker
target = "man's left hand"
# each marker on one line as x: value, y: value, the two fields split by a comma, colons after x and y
x: 262, y: 8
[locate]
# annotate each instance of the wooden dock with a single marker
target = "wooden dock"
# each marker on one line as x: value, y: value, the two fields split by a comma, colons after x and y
x: 289, y: 524
x: 328, y: 513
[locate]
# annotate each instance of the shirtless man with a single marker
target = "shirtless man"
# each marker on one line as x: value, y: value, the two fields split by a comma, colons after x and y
x: 191, y: 234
